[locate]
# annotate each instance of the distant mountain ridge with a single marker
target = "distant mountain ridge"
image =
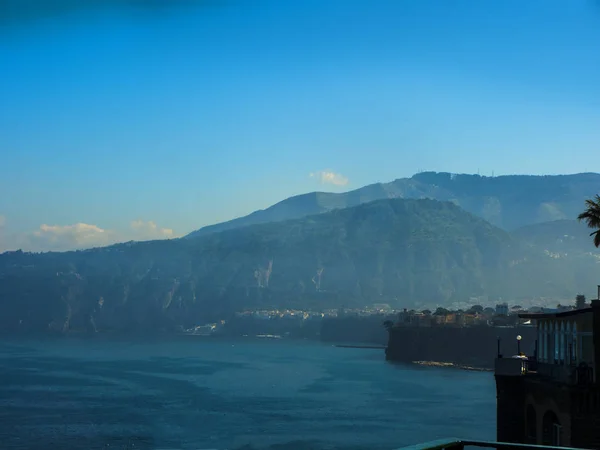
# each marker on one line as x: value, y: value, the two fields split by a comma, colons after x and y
x: 508, y: 201
x: 404, y: 252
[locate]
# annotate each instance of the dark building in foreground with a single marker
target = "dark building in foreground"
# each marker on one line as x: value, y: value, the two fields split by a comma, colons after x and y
x: 553, y: 396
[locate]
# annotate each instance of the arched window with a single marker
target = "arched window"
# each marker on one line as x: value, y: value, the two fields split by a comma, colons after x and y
x: 551, y: 429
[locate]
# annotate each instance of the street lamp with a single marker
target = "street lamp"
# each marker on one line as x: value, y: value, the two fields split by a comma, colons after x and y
x: 519, y: 344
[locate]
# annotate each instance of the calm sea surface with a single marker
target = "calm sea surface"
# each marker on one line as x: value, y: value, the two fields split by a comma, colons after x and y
x: 204, y: 393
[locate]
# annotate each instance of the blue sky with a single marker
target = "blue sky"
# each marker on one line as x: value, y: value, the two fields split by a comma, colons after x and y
x: 153, y: 122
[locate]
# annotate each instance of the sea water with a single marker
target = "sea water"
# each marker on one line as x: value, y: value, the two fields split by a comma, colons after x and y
x: 208, y: 393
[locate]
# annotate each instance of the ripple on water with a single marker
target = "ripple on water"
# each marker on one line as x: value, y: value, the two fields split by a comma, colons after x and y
x: 74, y: 394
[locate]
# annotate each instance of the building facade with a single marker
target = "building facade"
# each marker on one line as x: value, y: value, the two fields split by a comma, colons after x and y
x: 553, y: 396
x: 502, y: 309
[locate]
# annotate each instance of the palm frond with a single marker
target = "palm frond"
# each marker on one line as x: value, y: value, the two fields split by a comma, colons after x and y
x: 596, y: 235
x: 591, y: 215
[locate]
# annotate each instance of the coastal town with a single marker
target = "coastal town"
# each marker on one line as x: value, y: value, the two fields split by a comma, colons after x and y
x: 501, y: 314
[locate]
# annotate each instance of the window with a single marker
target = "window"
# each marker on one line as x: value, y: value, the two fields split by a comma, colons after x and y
x: 541, y: 341
x: 575, y: 344
x: 551, y: 429
x: 546, y: 342
x: 561, y: 354
x: 556, y: 331
x: 556, y: 432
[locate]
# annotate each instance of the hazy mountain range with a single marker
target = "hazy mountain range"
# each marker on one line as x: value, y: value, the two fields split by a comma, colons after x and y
x: 353, y: 251
x: 508, y: 202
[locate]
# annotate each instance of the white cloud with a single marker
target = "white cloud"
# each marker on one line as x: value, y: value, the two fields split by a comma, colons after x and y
x: 330, y: 177
x: 149, y: 230
x: 82, y: 235
x: 79, y: 235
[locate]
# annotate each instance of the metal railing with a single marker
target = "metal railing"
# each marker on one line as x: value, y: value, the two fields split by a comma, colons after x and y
x: 511, y: 366
x: 459, y: 444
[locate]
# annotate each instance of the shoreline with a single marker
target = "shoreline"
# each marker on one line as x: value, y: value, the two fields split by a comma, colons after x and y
x: 451, y: 365
x: 366, y: 346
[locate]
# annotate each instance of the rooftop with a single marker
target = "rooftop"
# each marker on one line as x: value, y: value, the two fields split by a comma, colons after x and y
x: 553, y: 315
x: 459, y: 444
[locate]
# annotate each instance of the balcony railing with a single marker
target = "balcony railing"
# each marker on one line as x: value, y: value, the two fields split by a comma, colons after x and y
x: 511, y: 366
x: 459, y: 444
x: 581, y: 375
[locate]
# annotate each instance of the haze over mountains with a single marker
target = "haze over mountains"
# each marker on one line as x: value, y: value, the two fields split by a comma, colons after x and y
x: 383, y: 243
x: 508, y: 201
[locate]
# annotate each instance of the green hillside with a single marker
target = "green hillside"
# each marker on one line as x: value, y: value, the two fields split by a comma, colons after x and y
x: 401, y: 252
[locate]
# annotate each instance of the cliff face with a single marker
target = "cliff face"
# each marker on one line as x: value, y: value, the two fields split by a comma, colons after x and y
x: 400, y: 252
x: 475, y: 346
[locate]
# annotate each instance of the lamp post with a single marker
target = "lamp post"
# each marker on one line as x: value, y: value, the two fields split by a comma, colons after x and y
x: 519, y: 344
